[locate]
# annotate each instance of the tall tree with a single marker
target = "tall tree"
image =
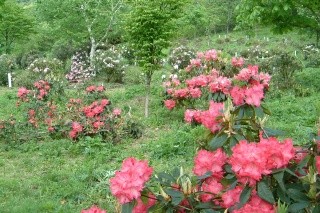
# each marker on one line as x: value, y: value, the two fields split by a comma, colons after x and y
x: 14, y: 25
x: 81, y: 20
x: 150, y: 26
x: 281, y: 15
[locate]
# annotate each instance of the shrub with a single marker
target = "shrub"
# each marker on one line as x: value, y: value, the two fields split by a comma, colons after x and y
x: 80, y: 69
x: 110, y: 65
x: 312, y: 56
x: 179, y: 57
x: 46, y: 69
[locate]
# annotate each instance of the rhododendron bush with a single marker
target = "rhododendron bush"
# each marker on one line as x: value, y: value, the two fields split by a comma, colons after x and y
x: 89, y: 114
x: 244, y: 168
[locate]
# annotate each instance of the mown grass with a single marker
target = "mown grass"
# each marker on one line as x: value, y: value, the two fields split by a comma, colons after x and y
x: 64, y: 176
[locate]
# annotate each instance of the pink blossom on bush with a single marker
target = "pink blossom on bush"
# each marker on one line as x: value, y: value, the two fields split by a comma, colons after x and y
x: 211, y: 55
x: 248, y: 162
x: 116, y: 112
x: 237, y: 62
x: 94, y: 209
x: 170, y: 104
x: 209, y: 118
x: 195, y: 62
x: 195, y: 92
x: 256, y: 205
x: 254, y: 95
x: 231, y: 197
x: 220, y: 84
x: 181, y: 93
x: 128, y: 183
x: 91, y: 88
x: 142, y: 207
x: 206, y: 161
x: 317, y: 159
x: 210, y: 187
x: 22, y: 93
x: 238, y: 95
x: 277, y: 154
x: 77, y: 127
x: 100, y: 88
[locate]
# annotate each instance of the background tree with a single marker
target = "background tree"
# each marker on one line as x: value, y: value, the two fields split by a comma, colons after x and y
x: 150, y: 26
x: 14, y: 25
x: 281, y: 15
x: 81, y: 21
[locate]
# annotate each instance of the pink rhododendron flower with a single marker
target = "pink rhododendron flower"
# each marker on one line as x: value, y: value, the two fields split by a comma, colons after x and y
x: 211, y: 55
x: 77, y: 127
x: 238, y: 95
x: 91, y: 88
x: 209, y: 118
x: 256, y: 205
x: 206, y: 161
x: 195, y: 93
x: 254, y: 95
x: 73, y: 134
x: 195, y: 62
x: 181, y: 93
x: 142, y: 207
x: 22, y: 93
x: 220, y: 84
x: 116, y: 112
x: 231, y: 197
x: 100, y: 88
x: 170, y: 104
x: 94, y: 209
x: 105, y: 102
x: 248, y: 162
x: 318, y: 164
x: 128, y: 183
x: 210, y: 187
x: 237, y: 62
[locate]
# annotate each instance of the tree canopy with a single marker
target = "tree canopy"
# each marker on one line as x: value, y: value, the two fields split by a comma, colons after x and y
x: 281, y: 15
x: 14, y: 25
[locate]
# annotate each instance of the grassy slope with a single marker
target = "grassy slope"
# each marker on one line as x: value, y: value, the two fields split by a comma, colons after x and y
x: 60, y: 176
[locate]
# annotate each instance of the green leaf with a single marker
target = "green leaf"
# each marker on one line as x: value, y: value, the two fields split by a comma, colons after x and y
x: 176, y: 196
x: 264, y: 192
x: 206, y: 175
x: 207, y: 205
x: 272, y: 132
x: 127, y: 208
x: 279, y: 178
x: 266, y: 110
x: 259, y: 112
x: 316, y: 209
x: 218, y: 141
x: 296, y: 207
x: 244, y: 196
x: 297, y: 195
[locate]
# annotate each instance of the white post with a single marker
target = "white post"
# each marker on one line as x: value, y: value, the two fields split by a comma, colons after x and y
x: 236, y: 54
x: 219, y: 36
x: 9, y: 80
x: 295, y: 53
x: 267, y: 38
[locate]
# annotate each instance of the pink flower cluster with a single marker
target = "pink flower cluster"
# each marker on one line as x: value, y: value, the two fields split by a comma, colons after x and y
x: 93, y: 88
x: 252, y: 92
x: 43, y: 88
x: 256, y: 205
x: 237, y: 62
x: 76, y: 129
x: 128, y: 183
x: 143, y: 207
x: 250, y: 161
x: 94, y: 209
x: 209, y: 118
x: 317, y: 159
x: 23, y: 93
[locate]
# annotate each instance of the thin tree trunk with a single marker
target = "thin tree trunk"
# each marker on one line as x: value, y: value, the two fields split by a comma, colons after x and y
x: 318, y: 38
x: 148, y: 88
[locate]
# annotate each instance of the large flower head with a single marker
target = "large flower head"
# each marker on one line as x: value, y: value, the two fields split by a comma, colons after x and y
x: 128, y: 183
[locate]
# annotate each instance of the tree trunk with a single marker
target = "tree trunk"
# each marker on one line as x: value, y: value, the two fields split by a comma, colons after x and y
x: 148, y: 88
x: 92, y: 52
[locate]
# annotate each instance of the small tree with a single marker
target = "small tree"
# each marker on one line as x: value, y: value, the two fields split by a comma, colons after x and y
x: 150, y: 26
x: 14, y: 24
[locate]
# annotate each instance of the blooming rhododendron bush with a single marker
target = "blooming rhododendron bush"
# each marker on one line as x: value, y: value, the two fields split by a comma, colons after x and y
x: 244, y: 168
x: 88, y: 114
